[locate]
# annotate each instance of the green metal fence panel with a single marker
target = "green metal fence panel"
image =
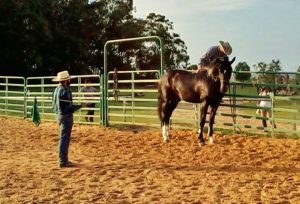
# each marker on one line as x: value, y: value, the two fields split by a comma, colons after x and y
x: 105, y: 74
x: 136, y: 103
x: 42, y: 88
x: 236, y: 113
x: 284, y: 110
x: 12, y: 96
x: 135, y: 100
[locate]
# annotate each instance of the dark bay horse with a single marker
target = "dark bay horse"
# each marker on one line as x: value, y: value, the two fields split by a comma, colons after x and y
x: 207, y: 87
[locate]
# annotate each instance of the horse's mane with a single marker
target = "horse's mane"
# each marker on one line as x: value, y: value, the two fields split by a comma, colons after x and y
x: 214, y: 64
x: 217, y: 62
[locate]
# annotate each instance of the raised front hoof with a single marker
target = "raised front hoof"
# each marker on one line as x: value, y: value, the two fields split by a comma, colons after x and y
x: 201, y: 144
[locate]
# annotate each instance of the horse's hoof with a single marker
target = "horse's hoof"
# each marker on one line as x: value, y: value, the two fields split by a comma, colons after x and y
x: 211, y: 141
x: 165, y: 141
x: 201, y: 144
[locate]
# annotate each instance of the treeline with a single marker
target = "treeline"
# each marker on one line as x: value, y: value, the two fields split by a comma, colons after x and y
x: 269, y: 74
x: 40, y: 38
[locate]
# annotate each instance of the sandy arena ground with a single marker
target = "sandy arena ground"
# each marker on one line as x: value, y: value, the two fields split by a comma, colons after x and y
x: 132, y: 166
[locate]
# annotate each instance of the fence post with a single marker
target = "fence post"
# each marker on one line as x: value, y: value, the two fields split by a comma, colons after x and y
x: 25, y: 98
x: 132, y: 97
x: 234, y: 107
x: 6, y: 95
x: 294, y: 117
x: 43, y: 95
x: 272, y: 111
x: 232, y: 100
x: 101, y: 99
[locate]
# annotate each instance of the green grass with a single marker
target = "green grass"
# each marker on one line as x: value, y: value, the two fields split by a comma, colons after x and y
x: 246, y: 90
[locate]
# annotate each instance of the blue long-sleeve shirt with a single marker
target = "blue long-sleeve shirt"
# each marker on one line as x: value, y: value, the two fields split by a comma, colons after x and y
x: 62, y: 103
x: 211, y: 54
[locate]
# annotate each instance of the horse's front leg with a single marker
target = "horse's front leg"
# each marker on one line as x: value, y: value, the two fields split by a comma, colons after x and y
x: 203, y: 112
x: 164, y: 121
x: 210, y: 133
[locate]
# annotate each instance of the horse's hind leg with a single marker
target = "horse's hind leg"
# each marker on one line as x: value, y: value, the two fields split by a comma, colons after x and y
x: 167, y: 107
x: 162, y: 106
x: 171, y: 105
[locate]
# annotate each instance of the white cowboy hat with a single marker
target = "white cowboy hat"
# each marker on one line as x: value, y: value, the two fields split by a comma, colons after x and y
x: 62, y: 76
x: 226, y: 47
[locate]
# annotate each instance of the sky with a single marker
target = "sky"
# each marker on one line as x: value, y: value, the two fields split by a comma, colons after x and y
x: 258, y: 30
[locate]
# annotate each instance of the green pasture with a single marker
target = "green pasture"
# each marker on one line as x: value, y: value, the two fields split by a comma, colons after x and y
x: 245, y: 90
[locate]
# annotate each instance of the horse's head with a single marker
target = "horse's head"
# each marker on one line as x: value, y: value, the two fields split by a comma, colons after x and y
x: 221, y: 70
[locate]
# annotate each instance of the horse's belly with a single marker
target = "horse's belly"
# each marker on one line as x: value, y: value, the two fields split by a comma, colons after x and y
x: 192, y: 99
x: 190, y: 95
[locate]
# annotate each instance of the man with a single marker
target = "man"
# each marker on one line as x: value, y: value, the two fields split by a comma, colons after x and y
x: 88, y: 90
x: 63, y: 107
x: 214, y: 52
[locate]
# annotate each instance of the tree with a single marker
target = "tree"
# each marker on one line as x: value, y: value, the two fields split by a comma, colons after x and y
x: 269, y: 71
x: 44, y: 37
x: 297, y: 77
x: 146, y: 54
x: 175, y: 50
x: 260, y: 66
x: 12, y: 45
x: 242, y: 66
x: 274, y: 66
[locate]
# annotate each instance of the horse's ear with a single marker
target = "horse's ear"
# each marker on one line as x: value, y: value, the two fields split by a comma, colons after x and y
x: 232, y: 60
x: 222, y: 59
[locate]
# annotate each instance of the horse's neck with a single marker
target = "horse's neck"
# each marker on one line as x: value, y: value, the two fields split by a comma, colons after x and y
x: 211, y: 76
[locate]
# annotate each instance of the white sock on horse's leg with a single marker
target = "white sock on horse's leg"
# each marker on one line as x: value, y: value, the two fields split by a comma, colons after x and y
x: 210, y: 138
x: 165, y: 133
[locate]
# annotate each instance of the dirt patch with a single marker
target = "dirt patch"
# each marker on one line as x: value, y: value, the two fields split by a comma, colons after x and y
x: 132, y: 166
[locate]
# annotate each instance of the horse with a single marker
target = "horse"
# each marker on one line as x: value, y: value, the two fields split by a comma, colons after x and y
x: 207, y: 86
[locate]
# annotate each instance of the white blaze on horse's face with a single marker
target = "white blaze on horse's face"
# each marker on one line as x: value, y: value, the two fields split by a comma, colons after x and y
x: 224, y: 76
x: 225, y: 71
x: 224, y: 80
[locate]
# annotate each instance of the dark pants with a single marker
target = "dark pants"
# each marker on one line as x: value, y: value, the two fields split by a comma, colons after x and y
x: 65, y: 129
x: 90, y: 112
